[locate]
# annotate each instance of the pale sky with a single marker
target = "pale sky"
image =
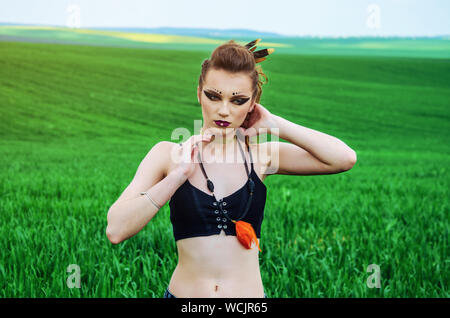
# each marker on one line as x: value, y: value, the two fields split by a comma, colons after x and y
x: 288, y: 17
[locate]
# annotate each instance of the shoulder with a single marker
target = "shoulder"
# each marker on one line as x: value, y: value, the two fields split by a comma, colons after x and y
x: 156, y: 160
x: 159, y: 157
x: 167, y: 147
x: 151, y: 170
x: 162, y: 147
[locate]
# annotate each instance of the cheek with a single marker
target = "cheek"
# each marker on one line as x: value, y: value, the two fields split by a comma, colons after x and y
x: 206, y: 110
x: 243, y: 113
x: 242, y: 116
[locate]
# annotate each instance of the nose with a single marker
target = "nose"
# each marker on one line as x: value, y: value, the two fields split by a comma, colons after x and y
x: 224, y: 110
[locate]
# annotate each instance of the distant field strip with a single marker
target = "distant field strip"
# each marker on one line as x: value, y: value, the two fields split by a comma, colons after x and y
x: 138, y: 37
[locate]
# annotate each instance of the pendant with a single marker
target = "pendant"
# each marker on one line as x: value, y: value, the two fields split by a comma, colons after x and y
x: 246, y: 234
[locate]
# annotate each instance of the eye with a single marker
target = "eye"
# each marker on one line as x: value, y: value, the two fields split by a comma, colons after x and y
x: 241, y: 101
x: 211, y: 96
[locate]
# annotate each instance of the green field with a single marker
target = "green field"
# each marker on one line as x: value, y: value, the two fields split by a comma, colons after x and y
x: 437, y: 47
x: 76, y: 121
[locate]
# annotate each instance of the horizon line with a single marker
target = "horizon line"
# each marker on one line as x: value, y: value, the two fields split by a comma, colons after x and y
x: 231, y: 29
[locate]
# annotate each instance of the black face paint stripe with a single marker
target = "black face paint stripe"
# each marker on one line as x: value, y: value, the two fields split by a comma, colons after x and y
x: 236, y: 96
x: 211, y: 96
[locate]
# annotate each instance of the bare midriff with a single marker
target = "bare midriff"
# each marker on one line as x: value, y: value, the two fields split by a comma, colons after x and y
x: 216, y: 266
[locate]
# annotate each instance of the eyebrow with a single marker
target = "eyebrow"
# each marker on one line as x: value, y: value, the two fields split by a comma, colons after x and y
x: 215, y: 93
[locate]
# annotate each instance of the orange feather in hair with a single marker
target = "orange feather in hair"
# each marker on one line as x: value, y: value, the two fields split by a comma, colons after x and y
x: 246, y: 234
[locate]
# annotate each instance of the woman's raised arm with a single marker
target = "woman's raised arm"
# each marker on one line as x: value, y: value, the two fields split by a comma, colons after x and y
x: 132, y: 211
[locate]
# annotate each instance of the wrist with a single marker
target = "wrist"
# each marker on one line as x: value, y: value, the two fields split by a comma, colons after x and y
x: 274, y: 125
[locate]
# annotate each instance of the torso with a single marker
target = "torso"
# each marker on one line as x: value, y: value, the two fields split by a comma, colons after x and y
x: 218, y: 265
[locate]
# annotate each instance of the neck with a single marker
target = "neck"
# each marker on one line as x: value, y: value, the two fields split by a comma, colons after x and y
x: 223, y: 147
x: 222, y: 137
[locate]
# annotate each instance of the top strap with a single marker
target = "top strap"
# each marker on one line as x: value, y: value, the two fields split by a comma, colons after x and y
x: 250, y: 154
x: 209, y: 183
x: 243, y: 156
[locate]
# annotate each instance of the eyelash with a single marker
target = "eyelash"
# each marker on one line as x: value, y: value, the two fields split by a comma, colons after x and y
x: 244, y: 100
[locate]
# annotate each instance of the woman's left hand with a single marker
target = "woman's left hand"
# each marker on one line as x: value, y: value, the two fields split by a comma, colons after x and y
x: 258, y: 118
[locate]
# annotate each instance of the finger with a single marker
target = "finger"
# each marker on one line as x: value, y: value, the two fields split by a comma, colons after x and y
x: 189, y: 144
x: 204, y: 139
x: 200, y: 138
x: 194, y: 153
x: 192, y: 141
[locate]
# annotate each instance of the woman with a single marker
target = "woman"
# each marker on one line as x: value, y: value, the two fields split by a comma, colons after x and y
x: 215, y: 180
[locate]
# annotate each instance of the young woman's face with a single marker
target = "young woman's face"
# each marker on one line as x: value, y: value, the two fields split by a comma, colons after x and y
x: 225, y: 97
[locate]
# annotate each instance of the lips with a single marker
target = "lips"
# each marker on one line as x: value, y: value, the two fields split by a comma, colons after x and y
x: 222, y: 123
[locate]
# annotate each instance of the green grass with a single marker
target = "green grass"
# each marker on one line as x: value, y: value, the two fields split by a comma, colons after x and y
x: 76, y: 121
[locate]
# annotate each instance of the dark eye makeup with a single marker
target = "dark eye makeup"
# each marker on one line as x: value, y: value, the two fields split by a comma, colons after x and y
x: 215, y: 97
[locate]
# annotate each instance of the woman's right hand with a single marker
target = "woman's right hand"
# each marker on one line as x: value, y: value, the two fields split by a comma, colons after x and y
x: 185, y: 155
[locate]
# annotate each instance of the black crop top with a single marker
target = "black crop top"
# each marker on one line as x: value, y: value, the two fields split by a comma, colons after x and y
x: 194, y: 212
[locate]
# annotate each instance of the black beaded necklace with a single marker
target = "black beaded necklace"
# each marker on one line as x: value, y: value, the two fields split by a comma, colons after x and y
x: 251, y: 183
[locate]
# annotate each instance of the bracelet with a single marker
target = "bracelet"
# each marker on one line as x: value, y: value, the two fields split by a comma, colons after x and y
x: 154, y: 203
